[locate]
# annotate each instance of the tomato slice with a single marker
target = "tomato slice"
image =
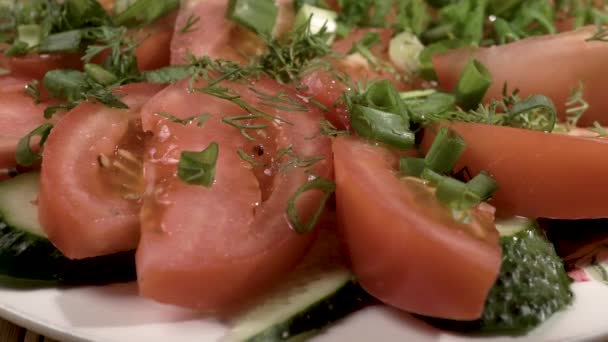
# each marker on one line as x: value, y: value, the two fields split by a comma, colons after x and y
x: 323, y: 87
x: 35, y: 66
x: 218, y: 37
x: 216, y: 248
x: 91, y: 177
x: 405, y: 247
x: 19, y: 115
x: 540, y: 174
x: 155, y: 51
x: 524, y: 65
x: 213, y: 35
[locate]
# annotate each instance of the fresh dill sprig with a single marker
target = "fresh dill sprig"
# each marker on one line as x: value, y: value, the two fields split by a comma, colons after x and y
x: 576, y: 105
x: 190, y: 25
x: 599, y: 129
x: 199, y: 119
x: 601, y: 34
x: 294, y: 160
x: 285, y: 60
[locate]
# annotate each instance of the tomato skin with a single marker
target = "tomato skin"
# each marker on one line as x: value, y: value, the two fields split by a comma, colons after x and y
x: 83, y: 212
x: 539, y: 174
x: 207, y: 248
x: 404, y: 247
x: 524, y: 65
x: 323, y: 87
x: 35, y: 66
x: 19, y: 115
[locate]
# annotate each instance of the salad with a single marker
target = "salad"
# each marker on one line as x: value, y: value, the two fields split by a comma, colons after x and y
x: 282, y: 164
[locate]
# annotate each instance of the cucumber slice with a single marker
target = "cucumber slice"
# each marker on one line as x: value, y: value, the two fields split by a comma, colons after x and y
x: 532, y: 284
x: 320, y: 291
x: 25, y: 252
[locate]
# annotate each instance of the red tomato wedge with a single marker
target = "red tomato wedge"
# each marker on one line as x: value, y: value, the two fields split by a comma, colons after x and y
x: 155, y: 51
x: 218, y: 37
x: 405, y: 247
x: 323, y: 87
x: 215, y: 248
x: 35, y: 66
x: 548, y: 65
x: 540, y: 174
x: 213, y: 35
x: 91, y: 177
x: 19, y: 115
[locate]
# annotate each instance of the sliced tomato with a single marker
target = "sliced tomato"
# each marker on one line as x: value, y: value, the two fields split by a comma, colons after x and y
x: 91, y: 177
x: 35, y: 66
x: 19, y: 115
x: 548, y: 65
x: 155, y: 51
x: 540, y: 174
x: 405, y: 248
x: 213, y: 35
x: 323, y: 87
x: 216, y: 36
x: 216, y: 248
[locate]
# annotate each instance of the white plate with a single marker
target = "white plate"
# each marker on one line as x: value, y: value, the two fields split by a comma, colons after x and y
x: 115, y: 314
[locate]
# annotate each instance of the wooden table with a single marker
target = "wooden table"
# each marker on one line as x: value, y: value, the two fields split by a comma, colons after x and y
x: 12, y: 333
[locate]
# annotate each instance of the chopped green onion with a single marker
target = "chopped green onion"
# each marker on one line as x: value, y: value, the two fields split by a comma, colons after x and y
x: 416, y: 94
x: 85, y: 13
x: 482, y: 185
x: 536, y: 112
x: 383, y: 96
x: 29, y: 34
x: 404, y: 51
x: 434, y: 104
x: 473, y: 29
x: 198, y: 168
x: 447, y: 148
x: 451, y: 191
x: 384, y: 127
x: 99, y: 74
x: 472, y: 85
x: 25, y: 156
x: 4, y: 71
x: 68, y: 41
x: 317, y: 19
x: 326, y: 186
x: 411, y: 166
x: 65, y: 83
x: 258, y: 16
x: 18, y: 48
x: 504, y: 31
x: 432, y: 177
x: 145, y: 11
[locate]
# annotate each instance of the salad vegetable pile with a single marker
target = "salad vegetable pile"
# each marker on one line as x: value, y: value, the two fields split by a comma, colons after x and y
x: 284, y: 163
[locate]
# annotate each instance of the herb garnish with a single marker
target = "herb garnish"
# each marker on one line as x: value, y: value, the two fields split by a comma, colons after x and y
x: 315, y: 183
x: 198, y: 168
x: 190, y: 25
x: 200, y: 119
x: 25, y: 155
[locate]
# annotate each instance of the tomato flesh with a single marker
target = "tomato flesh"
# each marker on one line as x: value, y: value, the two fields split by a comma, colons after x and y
x: 540, y: 174
x: 89, y: 177
x: 405, y: 248
x: 548, y: 65
x: 19, y: 115
x: 216, y: 248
